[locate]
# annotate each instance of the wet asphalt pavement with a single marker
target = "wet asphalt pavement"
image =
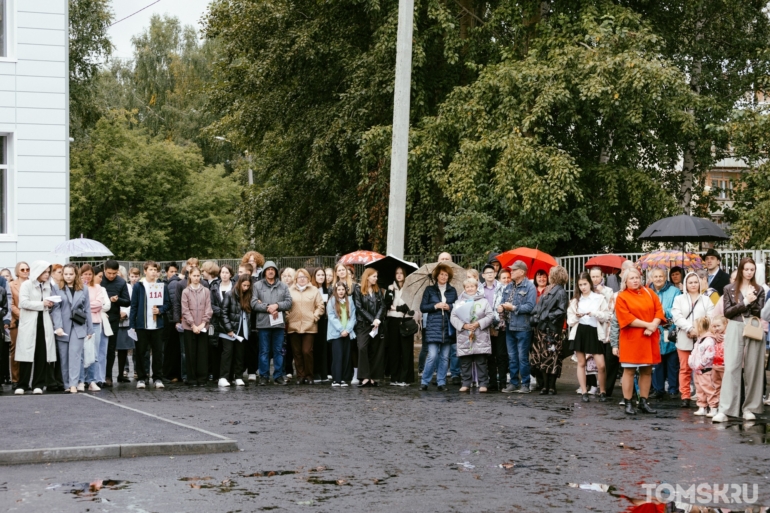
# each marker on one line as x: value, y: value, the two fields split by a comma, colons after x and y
x: 314, y: 448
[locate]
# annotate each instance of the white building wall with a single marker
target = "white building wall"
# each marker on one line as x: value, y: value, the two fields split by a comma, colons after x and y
x: 34, y: 115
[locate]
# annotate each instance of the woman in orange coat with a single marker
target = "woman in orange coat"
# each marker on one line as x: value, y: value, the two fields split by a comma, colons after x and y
x: 639, y: 313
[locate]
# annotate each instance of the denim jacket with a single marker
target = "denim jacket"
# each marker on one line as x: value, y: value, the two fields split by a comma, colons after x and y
x: 524, y: 297
x: 335, y: 328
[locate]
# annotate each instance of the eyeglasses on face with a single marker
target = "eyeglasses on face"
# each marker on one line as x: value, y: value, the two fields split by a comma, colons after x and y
x: 23, y: 270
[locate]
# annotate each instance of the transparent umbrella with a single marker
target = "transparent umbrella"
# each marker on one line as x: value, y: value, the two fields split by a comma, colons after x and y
x: 81, y: 247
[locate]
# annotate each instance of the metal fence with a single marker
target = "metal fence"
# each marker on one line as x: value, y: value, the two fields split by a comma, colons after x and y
x: 574, y: 264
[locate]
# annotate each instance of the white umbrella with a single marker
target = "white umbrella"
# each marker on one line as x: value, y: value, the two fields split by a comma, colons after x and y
x: 81, y: 247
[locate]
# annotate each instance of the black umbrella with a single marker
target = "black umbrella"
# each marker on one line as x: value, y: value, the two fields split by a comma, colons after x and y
x: 683, y: 229
x: 386, y: 269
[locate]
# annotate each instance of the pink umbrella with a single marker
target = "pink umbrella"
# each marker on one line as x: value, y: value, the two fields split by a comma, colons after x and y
x: 360, y: 257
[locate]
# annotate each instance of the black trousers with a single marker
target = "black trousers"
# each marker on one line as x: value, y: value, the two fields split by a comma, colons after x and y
x: 196, y: 350
x: 371, y: 355
x: 232, y: 364
x: 320, y: 349
x: 43, y: 371
x: 215, y: 355
x: 612, y: 364
x: 112, y: 344
x: 172, y: 356
x: 399, y: 352
x: 252, y: 352
x: 5, y: 359
x: 497, y: 362
x: 340, y: 358
x: 153, y: 340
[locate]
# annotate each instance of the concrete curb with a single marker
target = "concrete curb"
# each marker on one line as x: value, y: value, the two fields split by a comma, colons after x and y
x: 95, y: 452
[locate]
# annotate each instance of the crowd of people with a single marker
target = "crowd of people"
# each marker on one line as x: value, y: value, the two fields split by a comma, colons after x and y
x: 682, y: 335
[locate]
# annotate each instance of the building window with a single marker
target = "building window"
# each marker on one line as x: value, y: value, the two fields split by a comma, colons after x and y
x: 3, y: 184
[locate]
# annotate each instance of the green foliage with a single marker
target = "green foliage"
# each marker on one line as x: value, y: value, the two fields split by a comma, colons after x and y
x: 749, y: 132
x: 89, y: 44
x: 145, y: 197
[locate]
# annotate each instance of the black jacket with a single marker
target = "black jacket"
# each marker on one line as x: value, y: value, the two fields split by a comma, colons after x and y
x: 216, y: 305
x: 231, y: 314
x: 173, y: 300
x: 736, y: 309
x: 368, y: 307
x: 720, y: 281
x: 116, y: 287
x: 550, y: 311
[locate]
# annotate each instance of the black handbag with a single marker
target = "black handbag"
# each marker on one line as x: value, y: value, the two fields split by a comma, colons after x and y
x: 79, y: 315
x: 408, y: 327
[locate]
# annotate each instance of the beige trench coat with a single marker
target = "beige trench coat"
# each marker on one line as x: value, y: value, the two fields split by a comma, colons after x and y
x: 30, y: 304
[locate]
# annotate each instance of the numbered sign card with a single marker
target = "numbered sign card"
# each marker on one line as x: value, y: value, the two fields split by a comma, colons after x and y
x: 155, y: 294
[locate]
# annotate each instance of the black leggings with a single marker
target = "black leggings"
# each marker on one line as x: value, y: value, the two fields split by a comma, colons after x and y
x: 122, y: 359
x: 340, y: 358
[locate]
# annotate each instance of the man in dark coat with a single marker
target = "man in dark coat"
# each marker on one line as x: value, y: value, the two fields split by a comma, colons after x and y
x: 117, y: 291
x: 717, y: 278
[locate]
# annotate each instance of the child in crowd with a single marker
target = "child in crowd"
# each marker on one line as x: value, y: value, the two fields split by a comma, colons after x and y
x: 701, y: 362
x: 718, y: 327
x: 472, y: 317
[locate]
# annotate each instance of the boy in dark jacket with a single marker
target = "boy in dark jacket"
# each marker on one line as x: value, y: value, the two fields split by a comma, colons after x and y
x: 117, y: 291
x: 149, y: 303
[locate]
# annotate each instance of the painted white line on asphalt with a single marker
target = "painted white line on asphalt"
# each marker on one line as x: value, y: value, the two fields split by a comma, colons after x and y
x: 156, y: 417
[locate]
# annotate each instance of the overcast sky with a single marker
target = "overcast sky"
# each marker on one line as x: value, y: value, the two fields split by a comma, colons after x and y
x: 189, y: 12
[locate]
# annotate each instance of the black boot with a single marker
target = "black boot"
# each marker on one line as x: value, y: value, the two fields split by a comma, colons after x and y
x: 630, y: 407
x: 644, y: 407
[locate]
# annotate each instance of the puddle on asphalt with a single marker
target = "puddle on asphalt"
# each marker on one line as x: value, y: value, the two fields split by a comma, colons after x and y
x: 90, y: 490
x: 269, y: 473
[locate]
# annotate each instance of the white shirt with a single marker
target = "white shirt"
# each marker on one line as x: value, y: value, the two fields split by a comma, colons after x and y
x: 442, y: 289
x: 589, y: 304
x: 149, y: 317
x: 225, y: 289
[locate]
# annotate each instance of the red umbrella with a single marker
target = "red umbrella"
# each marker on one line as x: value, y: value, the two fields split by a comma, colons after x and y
x: 535, y: 260
x: 608, y: 263
x: 360, y: 257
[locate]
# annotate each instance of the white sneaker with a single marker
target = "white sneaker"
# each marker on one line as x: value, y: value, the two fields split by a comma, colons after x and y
x: 701, y: 412
x: 767, y: 401
x: 354, y: 381
x: 289, y: 376
x: 239, y: 383
x: 159, y: 384
x: 37, y: 391
x: 93, y: 387
x: 329, y: 377
x: 19, y: 391
x: 81, y: 387
x: 593, y: 391
x: 393, y: 384
x: 747, y: 415
x: 343, y: 384
x: 223, y: 382
x: 252, y: 377
x: 335, y: 384
x: 719, y: 417
x: 579, y: 391
x: 140, y: 384
x: 712, y: 412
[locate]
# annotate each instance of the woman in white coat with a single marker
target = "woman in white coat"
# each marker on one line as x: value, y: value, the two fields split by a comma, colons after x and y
x: 686, y: 308
x: 35, y: 343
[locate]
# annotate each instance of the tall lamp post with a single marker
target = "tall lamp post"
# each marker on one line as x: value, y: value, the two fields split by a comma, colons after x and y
x: 399, y: 154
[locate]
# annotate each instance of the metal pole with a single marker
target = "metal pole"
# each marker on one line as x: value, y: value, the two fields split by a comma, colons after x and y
x: 399, y: 155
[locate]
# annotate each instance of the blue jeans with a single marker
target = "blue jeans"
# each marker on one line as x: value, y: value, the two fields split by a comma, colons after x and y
x: 90, y: 374
x: 666, y: 370
x: 454, y: 361
x: 101, y: 357
x: 437, y: 354
x: 518, y: 343
x: 270, y: 338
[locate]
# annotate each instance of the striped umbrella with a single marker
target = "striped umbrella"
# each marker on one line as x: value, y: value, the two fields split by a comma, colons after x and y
x: 360, y: 257
x: 669, y: 259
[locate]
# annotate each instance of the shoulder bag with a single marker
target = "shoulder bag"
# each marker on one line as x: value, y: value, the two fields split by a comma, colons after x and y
x: 79, y: 315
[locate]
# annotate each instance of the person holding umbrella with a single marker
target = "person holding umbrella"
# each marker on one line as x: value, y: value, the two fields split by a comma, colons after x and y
x: 437, y: 302
x: 370, y: 308
x: 548, y: 321
x: 520, y: 297
x: 400, y: 348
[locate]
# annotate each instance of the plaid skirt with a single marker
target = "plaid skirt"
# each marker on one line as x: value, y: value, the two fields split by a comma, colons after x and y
x: 545, y: 354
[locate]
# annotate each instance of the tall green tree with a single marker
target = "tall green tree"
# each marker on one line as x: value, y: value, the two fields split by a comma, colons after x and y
x: 147, y: 197
x: 89, y: 46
